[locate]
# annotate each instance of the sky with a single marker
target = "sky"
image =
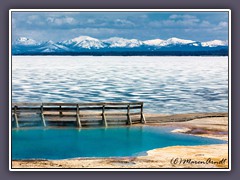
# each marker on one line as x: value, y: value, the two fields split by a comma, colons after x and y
x: 60, y: 26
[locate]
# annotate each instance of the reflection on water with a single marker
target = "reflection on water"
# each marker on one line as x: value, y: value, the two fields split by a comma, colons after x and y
x: 164, y: 84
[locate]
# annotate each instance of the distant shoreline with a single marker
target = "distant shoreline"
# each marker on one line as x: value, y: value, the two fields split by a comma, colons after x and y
x: 129, y: 53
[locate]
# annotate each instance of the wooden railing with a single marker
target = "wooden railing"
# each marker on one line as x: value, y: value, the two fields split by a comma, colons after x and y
x: 55, y: 112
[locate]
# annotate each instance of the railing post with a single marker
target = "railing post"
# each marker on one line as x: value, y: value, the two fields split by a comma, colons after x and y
x: 42, y: 116
x: 78, y: 117
x: 103, y: 116
x: 15, y: 116
x: 60, y: 112
x: 142, y: 115
x: 128, y: 115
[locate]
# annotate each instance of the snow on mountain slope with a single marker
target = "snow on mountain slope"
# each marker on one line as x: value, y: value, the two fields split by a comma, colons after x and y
x: 176, y: 41
x: 50, y: 46
x: 214, y: 43
x: 170, y: 41
x: 153, y: 42
x: 121, y: 42
x: 25, y: 41
x: 85, y: 42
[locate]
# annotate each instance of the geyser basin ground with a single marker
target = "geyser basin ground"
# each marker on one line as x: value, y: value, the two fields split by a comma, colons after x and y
x: 66, y: 143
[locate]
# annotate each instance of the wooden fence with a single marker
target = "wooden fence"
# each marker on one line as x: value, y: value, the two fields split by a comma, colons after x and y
x: 81, y: 114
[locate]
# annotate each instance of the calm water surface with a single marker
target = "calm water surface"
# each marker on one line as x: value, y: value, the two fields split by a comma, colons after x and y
x: 98, y: 142
x: 164, y: 84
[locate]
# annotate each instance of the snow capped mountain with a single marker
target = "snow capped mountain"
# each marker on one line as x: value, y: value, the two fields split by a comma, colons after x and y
x: 84, y: 42
x: 121, y: 42
x: 50, y: 46
x: 171, y: 41
x: 214, y: 43
x: 25, y: 41
x: 154, y: 42
x: 176, y: 41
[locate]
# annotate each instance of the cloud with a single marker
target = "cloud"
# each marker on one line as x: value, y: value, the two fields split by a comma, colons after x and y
x: 35, y: 20
x: 93, y: 22
x: 175, y: 16
x: 33, y: 17
x: 223, y: 24
x: 144, y: 16
x: 61, y: 21
x: 189, y: 26
x: 177, y: 21
x: 205, y: 23
x: 123, y: 23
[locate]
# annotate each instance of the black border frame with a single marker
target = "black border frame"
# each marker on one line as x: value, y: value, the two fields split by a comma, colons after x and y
x: 5, y: 5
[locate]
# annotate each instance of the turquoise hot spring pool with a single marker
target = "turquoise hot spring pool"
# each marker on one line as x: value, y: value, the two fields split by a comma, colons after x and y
x: 67, y: 143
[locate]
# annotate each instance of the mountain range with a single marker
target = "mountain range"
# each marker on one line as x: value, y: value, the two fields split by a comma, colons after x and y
x: 85, y: 45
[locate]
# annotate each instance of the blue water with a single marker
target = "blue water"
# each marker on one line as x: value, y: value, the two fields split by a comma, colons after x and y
x: 165, y: 84
x: 99, y: 142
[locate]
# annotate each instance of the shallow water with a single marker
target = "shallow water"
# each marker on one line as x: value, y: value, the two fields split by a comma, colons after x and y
x: 164, y: 84
x: 97, y: 142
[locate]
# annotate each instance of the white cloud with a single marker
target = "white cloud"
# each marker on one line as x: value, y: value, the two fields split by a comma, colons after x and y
x: 205, y: 23
x: 187, y: 22
x: 223, y: 24
x: 175, y: 16
x: 188, y: 17
x: 177, y: 21
x: 123, y: 22
x: 35, y: 20
x: 61, y: 21
x: 32, y: 19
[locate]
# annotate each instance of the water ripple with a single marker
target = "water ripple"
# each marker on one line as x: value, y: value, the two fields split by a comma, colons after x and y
x: 164, y: 84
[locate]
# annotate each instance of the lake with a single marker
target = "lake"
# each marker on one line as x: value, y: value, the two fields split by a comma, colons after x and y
x: 165, y: 84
